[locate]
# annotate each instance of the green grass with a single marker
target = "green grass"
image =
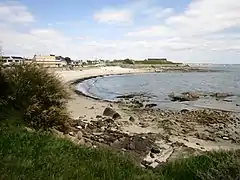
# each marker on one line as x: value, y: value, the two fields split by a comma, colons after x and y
x: 210, y: 166
x: 32, y: 155
x: 35, y: 155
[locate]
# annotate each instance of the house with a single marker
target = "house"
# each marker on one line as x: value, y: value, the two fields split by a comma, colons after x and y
x: 12, y: 59
x: 49, y: 60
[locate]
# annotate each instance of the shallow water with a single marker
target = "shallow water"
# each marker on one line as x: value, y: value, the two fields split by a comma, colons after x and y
x: 159, y: 85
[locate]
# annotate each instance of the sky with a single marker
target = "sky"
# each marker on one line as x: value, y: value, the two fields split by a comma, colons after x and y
x: 191, y: 31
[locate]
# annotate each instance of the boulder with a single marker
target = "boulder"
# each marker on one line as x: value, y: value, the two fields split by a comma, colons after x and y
x: 132, y: 119
x: 116, y: 116
x: 138, y: 103
x: 155, y: 150
x: 192, y: 95
x: 151, y: 105
x: 187, y: 96
x: 111, y: 113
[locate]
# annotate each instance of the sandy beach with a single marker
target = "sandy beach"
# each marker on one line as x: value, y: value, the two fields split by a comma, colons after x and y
x: 88, y: 107
x: 175, y: 133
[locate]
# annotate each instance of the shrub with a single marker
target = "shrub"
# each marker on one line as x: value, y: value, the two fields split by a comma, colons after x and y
x: 3, y: 84
x: 38, y: 94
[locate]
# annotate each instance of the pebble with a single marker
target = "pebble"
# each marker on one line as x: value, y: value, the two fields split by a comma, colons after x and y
x: 71, y: 133
x: 97, y: 133
x: 101, y: 140
x: 79, y: 127
x: 225, y: 138
x: 152, y: 155
x: 79, y: 135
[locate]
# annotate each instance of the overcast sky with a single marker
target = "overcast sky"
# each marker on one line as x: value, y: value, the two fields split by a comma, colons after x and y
x: 180, y: 30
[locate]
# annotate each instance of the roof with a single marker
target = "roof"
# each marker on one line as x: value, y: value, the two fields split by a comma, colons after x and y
x: 12, y: 57
x: 16, y: 57
x: 5, y: 57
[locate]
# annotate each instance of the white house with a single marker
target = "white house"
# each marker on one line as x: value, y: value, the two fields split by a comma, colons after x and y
x: 12, y: 59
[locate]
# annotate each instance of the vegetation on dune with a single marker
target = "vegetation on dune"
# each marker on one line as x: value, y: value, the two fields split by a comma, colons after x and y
x: 32, y: 96
x: 141, y: 62
x: 39, y: 95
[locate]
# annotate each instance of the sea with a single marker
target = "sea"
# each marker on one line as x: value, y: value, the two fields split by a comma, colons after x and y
x: 156, y: 87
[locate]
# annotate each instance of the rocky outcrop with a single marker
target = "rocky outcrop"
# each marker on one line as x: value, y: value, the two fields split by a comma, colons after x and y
x: 111, y: 113
x: 221, y: 95
x: 188, y: 96
x: 150, y: 105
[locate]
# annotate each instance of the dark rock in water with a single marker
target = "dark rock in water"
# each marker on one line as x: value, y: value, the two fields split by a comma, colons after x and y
x: 192, y: 95
x: 227, y: 100
x: 131, y: 119
x: 150, y: 105
x: 109, y: 112
x: 155, y: 150
x: 221, y: 95
x: 179, y: 98
x: 237, y: 104
x: 188, y: 96
x: 129, y: 96
x: 116, y: 116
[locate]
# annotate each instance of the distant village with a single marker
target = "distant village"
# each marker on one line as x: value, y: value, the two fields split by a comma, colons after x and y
x: 45, y: 60
x: 59, y: 61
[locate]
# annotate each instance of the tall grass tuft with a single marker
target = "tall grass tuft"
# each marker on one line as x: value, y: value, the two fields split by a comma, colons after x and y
x: 38, y: 94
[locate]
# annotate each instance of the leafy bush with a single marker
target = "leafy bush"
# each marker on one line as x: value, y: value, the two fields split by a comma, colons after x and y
x: 38, y: 94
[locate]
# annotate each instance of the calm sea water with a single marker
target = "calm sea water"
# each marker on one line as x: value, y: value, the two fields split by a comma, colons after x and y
x: 160, y: 85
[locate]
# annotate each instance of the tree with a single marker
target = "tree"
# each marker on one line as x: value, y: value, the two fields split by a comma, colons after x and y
x: 128, y: 61
x: 68, y: 60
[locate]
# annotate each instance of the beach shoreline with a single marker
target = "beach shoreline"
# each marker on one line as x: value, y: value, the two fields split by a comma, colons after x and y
x: 82, y: 104
x: 176, y: 133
